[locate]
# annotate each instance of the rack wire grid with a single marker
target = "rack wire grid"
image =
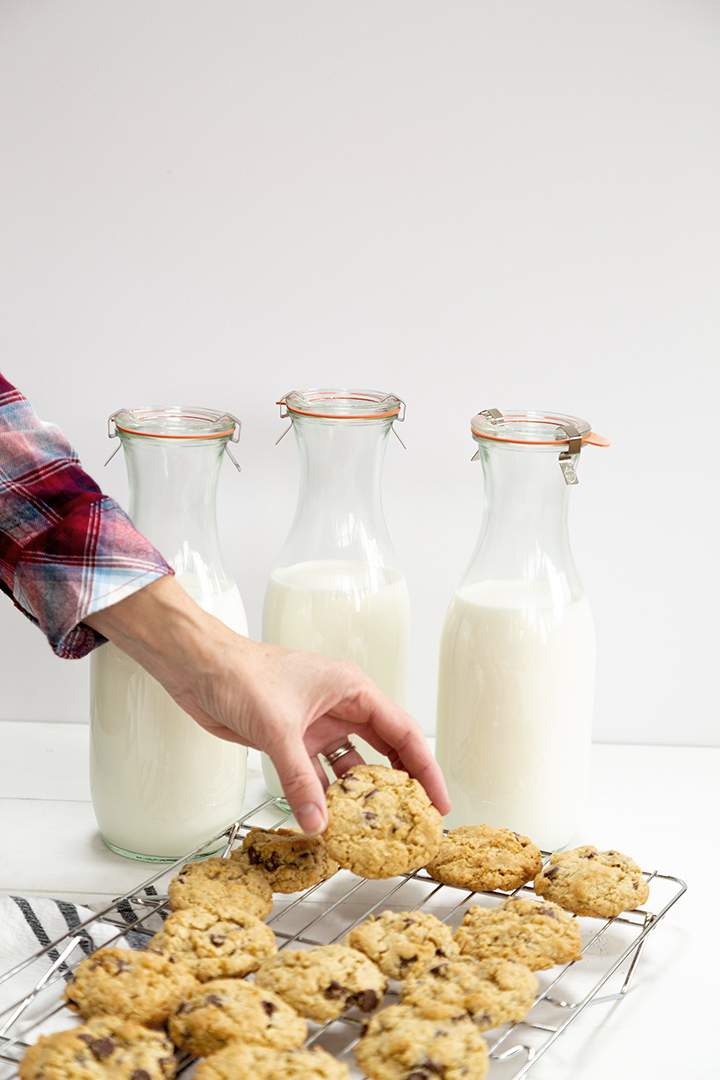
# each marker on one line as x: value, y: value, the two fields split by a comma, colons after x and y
x: 322, y: 915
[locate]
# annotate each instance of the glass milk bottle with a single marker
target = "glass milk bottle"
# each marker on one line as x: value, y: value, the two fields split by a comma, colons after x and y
x: 160, y: 783
x: 517, y: 657
x: 336, y: 587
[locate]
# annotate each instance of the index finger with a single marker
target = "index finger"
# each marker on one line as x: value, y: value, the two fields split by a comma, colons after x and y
x: 408, y: 746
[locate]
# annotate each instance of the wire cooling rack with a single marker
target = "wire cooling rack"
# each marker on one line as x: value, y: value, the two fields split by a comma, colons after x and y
x: 324, y: 914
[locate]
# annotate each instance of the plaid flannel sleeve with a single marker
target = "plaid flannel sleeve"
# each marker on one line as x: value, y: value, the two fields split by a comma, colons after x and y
x: 66, y: 550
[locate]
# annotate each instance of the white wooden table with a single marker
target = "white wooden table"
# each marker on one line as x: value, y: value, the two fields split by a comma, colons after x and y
x: 657, y: 803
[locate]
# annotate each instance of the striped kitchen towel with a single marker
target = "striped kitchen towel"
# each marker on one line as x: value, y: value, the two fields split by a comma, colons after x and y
x: 31, y: 924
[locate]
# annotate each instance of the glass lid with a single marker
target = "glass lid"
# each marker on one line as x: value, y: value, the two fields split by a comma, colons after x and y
x: 174, y: 422
x: 342, y: 404
x: 528, y: 428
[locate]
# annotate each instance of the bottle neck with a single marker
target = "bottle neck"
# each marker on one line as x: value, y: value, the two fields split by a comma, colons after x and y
x: 339, y: 512
x: 173, y: 492
x: 524, y: 536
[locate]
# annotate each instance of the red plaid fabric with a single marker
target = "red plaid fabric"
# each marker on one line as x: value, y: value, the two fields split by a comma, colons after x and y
x: 66, y: 550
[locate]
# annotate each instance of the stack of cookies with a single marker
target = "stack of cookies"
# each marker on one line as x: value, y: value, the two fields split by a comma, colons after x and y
x: 213, y: 985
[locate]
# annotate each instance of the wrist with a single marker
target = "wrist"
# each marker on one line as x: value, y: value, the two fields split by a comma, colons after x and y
x: 167, y: 632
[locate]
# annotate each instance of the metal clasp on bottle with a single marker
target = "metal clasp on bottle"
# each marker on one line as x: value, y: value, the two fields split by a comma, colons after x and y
x: 113, y: 433
x: 235, y: 437
x: 569, y: 457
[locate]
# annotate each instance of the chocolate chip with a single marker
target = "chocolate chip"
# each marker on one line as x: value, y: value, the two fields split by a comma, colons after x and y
x: 440, y: 952
x: 141, y: 1074
x: 405, y: 961
x: 101, y: 1048
x: 551, y: 873
x: 213, y: 999
x: 366, y: 1000
x: 254, y: 856
x: 218, y: 939
x: 269, y: 1007
x: 426, y: 1070
x: 334, y: 991
x: 590, y: 855
x: 550, y: 912
x: 369, y: 816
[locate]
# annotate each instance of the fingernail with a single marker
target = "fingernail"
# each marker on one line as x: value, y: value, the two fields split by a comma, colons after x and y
x: 310, y: 818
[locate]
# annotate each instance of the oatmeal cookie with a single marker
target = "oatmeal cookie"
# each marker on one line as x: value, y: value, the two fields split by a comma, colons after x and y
x: 216, y: 883
x: 488, y: 992
x: 480, y: 858
x: 324, y: 982
x: 215, y: 946
x: 592, y: 882
x: 138, y: 986
x: 291, y: 861
x: 381, y: 822
x: 229, y: 1009
x: 243, y: 1061
x: 107, y: 1046
x: 403, y: 943
x: 400, y: 1044
x: 535, y: 933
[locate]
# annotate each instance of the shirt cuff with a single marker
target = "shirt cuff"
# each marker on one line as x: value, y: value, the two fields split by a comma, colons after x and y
x: 58, y: 584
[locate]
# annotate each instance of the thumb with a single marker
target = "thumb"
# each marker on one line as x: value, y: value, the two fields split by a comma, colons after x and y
x: 301, y: 785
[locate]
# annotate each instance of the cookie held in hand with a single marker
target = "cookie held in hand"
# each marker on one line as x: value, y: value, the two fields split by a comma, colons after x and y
x: 381, y: 822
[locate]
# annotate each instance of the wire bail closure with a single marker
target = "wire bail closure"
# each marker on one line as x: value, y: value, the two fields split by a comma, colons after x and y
x: 567, y: 459
x: 112, y: 433
x: 399, y: 419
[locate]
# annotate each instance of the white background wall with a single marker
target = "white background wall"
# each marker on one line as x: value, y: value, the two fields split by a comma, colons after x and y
x: 471, y: 204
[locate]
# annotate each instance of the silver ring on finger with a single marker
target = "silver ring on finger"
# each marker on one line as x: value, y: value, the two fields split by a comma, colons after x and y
x: 339, y: 752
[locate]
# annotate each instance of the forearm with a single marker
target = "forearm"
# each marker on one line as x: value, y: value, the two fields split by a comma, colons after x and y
x: 66, y: 549
x: 167, y: 633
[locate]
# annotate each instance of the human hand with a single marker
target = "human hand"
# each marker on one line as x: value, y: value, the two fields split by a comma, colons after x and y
x: 292, y: 705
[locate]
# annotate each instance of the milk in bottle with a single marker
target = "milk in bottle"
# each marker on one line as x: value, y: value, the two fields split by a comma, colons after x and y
x: 336, y: 588
x: 161, y: 785
x: 517, y: 656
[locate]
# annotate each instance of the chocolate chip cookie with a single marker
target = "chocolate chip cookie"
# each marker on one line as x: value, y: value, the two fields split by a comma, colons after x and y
x: 215, y: 946
x: 290, y: 860
x: 229, y: 1009
x: 107, y: 1046
x: 381, y: 822
x: 488, y: 992
x: 138, y: 986
x: 214, y: 883
x: 592, y: 882
x: 480, y: 858
x: 403, y: 943
x: 537, y: 934
x: 400, y: 1044
x: 241, y: 1061
x: 324, y: 982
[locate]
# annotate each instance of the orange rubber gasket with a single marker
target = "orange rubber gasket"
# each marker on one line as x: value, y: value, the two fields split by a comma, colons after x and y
x: 183, y: 416
x: 590, y: 437
x: 342, y: 416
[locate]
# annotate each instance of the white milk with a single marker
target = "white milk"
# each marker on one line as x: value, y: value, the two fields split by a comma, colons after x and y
x: 515, y: 701
x: 160, y: 783
x: 347, y: 611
